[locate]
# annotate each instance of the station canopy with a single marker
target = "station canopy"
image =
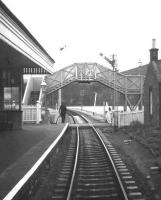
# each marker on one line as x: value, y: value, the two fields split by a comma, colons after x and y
x: 19, y: 49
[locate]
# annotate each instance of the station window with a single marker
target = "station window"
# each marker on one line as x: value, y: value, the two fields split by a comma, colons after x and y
x: 11, y: 98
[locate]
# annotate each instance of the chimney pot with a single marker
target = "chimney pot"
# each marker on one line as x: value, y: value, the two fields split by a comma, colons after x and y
x: 153, y: 43
x: 153, y: 51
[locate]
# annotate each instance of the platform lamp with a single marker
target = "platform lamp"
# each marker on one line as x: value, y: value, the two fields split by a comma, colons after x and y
x: 43, y: 89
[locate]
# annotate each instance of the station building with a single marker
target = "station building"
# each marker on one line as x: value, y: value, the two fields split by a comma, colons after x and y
x: 20, y: 53
x: 152, y: 87
x: 152, y: 91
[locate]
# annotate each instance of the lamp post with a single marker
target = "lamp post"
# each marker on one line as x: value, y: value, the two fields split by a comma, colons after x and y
x: 95, y: 98
x: 43, y: 88
x: 82, y: 95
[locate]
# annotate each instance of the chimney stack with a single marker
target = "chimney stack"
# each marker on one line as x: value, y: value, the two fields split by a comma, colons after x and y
x: 153, y: 51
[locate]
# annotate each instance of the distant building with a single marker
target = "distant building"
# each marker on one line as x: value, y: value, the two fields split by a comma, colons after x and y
x: 141, y: 70
x: 152, y: 87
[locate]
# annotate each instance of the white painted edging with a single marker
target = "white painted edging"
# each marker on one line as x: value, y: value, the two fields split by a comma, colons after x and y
x: 19, y: 185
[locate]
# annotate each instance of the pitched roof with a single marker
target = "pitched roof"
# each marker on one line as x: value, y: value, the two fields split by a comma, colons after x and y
x: 141, y: 70
x: 20, y: 24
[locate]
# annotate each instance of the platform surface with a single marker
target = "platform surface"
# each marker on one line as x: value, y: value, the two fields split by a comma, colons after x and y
x: 19, y: 150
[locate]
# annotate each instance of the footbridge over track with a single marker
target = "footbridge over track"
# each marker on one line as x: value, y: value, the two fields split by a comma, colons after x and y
x: 127, y: 85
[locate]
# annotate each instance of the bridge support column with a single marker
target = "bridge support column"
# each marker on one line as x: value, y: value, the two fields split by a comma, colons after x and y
x: 125, y: 104
x: 140, y: 102
x: 59, y: 98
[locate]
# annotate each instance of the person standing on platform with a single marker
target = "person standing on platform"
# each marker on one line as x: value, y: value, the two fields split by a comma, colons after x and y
x: 62, y: 111
x: 107, y: 113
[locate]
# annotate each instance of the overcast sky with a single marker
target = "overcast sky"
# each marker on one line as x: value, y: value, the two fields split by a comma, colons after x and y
x: 88, y: 27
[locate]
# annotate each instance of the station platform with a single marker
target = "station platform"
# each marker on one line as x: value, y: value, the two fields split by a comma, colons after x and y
x: 20, y: 149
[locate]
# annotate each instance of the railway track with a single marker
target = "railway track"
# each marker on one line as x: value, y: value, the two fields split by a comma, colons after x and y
x: 95, y: 177
x: 89, y: 169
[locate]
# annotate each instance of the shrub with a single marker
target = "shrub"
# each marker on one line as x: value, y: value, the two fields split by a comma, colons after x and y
x: 136, y: 124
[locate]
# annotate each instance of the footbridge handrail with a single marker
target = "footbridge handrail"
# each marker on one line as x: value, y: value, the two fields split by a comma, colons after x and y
x: 82, y: 72
x: 129, y: 86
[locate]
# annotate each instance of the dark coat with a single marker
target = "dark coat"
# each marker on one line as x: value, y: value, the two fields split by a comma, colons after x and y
x: 62, y: 109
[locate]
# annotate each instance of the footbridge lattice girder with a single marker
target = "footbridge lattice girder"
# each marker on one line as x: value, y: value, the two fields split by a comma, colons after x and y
x: 89, y: 72
x: 94, y: 72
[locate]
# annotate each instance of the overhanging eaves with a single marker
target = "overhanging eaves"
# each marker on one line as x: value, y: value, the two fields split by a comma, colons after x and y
x: 18, y: 37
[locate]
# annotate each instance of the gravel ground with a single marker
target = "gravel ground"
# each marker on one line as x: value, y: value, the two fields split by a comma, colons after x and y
x: 140, y: 149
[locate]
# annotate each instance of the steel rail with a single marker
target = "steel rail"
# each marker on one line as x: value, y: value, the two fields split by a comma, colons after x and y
x: 80, y: 115
x: 75, y: 166
x: 111, y: 160
x: 70, y: 114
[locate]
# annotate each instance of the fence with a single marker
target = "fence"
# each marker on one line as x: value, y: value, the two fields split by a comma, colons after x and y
x: 125, y: 118
x: 119, y: 118
x: 31, y: 114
